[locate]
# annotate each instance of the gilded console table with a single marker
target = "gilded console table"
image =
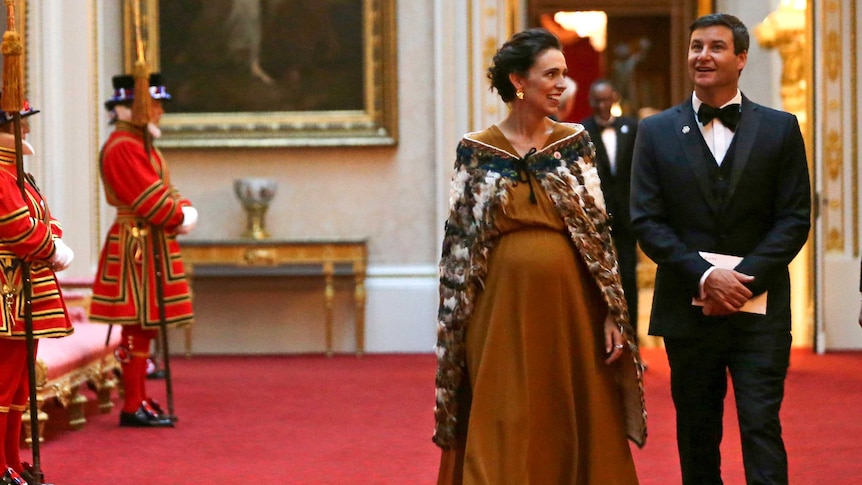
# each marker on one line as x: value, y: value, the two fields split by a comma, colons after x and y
x: 262, y: 258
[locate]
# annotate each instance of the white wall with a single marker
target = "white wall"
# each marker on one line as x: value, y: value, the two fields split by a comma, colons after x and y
x: 62, y: 61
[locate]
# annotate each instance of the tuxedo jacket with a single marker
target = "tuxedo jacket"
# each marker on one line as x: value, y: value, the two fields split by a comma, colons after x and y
x: 616, y: 187
x: 764, y: 216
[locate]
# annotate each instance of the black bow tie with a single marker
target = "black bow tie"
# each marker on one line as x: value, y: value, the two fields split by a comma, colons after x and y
x: 729, y: 115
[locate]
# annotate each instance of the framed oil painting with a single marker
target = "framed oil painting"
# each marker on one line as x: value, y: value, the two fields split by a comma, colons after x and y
x: 271, y: 73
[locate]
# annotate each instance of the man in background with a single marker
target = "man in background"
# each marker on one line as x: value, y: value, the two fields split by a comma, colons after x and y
x: 614, y: 139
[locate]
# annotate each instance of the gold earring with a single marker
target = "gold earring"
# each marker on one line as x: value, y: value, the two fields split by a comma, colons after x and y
x: 519, y: 94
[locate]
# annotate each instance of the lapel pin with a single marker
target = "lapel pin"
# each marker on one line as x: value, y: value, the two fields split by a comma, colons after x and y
x: 685, y: 130
x: 624, y: 129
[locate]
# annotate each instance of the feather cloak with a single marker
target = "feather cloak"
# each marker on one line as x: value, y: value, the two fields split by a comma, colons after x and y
x: 480, y: 186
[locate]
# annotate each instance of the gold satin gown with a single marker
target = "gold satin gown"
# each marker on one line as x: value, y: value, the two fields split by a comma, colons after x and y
x: 545, y: 409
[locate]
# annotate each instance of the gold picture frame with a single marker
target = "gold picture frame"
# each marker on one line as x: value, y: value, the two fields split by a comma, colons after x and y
x: 323, y: 77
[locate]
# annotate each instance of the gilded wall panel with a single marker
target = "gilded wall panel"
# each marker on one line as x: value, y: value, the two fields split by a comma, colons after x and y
x: 491, y: 23
x: 832, y: 130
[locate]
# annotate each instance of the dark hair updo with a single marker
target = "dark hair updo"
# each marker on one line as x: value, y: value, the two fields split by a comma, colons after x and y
x: 517, y: 55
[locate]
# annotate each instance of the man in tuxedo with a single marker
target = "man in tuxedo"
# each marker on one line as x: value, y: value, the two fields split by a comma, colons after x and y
x: 614, y: 139
x: 735, y: 182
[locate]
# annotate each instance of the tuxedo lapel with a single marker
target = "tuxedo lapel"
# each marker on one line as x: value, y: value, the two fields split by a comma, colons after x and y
x: 746, y: 133
x: 688, y: 134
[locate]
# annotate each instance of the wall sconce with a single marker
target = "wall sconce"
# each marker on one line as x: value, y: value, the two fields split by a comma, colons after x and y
x: 592, y: 24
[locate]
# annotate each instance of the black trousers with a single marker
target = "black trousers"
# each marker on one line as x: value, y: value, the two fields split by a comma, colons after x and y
x: 627, y: 257
x: 757, y: 366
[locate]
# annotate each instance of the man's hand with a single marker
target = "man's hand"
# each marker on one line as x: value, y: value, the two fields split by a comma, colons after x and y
x: 725, y: 292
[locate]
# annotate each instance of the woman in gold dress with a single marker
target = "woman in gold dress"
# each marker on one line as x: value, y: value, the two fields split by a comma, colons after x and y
x: 539, y: 380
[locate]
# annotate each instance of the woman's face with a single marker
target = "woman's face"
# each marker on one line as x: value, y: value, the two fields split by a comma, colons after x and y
x: 544, y: 82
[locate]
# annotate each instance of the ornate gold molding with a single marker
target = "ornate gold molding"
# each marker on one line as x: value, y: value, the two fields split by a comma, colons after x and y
x: 832, y: 128
x: 833, y: 150
x: 854, y: 115
x: 96, y: 132
x: 237, y: 122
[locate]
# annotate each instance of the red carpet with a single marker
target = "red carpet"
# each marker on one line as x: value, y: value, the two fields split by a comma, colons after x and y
x: 348, y: 420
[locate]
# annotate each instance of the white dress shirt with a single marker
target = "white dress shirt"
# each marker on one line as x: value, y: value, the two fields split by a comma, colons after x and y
x: 609, y: 140
x: 717, y: 136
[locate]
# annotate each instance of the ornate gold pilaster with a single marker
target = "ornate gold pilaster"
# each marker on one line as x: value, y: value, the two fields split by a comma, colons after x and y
x: 788, y: 30
x: 785, y: 31
x: 854, y: 115
x: 832, y: 128
x: 491, y: 22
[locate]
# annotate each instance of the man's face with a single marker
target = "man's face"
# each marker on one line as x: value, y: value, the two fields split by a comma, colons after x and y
x: 602, y: 98
x: 156, y: 111
x: 9, y: 127
x: 712, y: 65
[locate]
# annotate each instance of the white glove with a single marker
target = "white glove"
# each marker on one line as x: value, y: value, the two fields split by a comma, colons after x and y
x: 63, y: 255
x: 190, y: 218
x: 154, y: 130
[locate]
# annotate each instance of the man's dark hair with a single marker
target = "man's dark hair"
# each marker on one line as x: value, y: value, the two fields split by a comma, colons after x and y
x: 517, y: 55
x: 740, y: 31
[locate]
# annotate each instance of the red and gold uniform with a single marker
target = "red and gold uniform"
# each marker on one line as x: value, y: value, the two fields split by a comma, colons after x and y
x: 149, y: 212
x: 27, y: 233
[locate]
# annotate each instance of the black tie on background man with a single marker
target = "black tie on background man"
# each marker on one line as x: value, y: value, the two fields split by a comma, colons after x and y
x: 701, y: 184
x: 614, y: 139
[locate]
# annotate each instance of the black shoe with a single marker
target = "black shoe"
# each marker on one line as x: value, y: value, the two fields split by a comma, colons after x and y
x: 159, y: 411
x: 11, y: 477
x: 29, y: 474
x: 144, y: 417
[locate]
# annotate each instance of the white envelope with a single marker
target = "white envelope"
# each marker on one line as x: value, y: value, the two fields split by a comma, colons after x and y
x: 726, y: 261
